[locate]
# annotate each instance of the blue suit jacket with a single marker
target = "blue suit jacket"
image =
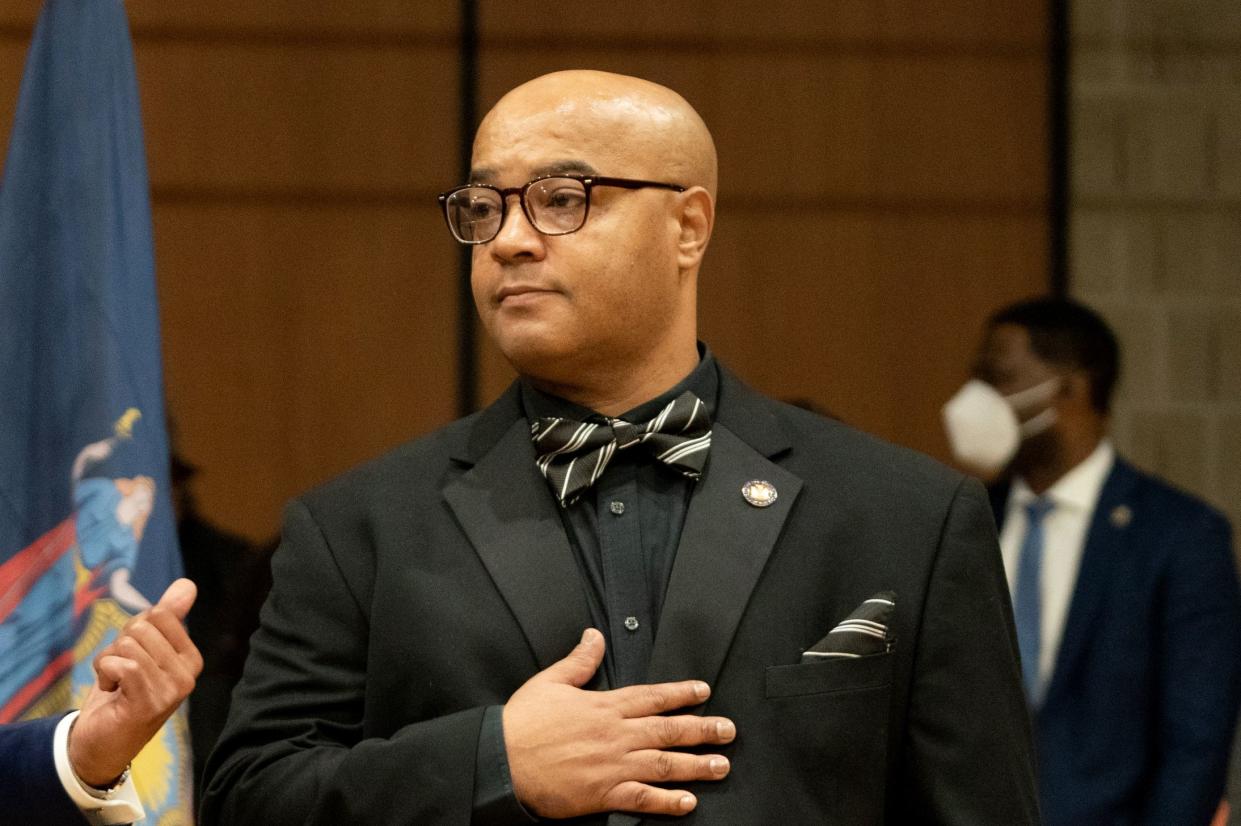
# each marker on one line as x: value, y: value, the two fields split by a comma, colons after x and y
x: 30, y: 790
x: 1136, y: 726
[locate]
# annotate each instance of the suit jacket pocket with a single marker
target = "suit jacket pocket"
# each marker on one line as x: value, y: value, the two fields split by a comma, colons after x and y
x: 830, y: 676
x: 822, y: 735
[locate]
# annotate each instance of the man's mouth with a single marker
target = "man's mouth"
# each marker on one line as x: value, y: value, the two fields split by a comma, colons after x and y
x: 521, y: 293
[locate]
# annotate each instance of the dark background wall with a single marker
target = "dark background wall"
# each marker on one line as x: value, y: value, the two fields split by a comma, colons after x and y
x: 883, y: 186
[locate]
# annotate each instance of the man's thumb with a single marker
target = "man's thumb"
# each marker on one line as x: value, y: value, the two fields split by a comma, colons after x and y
x: 582, y: 663
x: 179, y: 597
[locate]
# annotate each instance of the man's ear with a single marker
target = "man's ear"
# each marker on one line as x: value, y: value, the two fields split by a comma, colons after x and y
x: 696, y: 218
x: 1075, y: 389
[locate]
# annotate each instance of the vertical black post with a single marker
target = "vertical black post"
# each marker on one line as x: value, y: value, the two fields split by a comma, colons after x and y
x: 1058, y: 144
x: 467, y: 355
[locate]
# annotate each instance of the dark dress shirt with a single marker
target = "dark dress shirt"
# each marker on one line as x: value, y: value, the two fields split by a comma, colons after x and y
x: 624, y: 533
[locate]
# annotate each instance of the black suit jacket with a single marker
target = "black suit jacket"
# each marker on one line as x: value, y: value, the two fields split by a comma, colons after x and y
x: 1136, y: 727
x: 418, y: 590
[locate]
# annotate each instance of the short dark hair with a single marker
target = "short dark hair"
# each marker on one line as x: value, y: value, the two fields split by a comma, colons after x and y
x: 1068, y: 334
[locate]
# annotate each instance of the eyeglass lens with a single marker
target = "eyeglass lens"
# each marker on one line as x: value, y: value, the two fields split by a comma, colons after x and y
x: 554, y: 205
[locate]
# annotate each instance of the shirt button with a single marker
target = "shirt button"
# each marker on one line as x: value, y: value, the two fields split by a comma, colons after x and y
x: 617, y: 507
x: 631, y: 623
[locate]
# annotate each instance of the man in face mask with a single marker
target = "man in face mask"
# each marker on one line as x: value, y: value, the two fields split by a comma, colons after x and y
x: 1124, y: 589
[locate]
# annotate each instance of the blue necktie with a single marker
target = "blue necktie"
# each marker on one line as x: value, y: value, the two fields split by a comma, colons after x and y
x: 1028, y: 598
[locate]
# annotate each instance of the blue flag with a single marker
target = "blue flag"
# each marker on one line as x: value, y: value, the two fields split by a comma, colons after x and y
x: 87, y: 534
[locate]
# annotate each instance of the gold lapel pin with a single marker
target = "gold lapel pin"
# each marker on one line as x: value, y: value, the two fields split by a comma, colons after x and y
x: 758, y: 493
x: 1121, y: 516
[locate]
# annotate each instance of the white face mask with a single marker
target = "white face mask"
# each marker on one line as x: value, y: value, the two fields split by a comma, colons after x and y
x: 982, y: 425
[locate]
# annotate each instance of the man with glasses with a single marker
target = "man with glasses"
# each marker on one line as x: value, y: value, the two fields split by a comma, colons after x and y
x: 632, y: 586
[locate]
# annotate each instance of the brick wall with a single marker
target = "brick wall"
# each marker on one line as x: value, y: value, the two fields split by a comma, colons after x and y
x: 1155, y: 245
x: 1156, y: 225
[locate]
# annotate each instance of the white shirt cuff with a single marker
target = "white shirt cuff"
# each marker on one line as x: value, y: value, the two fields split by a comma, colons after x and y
x: 101, y: 808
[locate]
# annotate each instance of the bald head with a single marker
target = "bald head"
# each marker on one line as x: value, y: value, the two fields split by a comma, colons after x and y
x: 605, y: 313
x: 653, y: 130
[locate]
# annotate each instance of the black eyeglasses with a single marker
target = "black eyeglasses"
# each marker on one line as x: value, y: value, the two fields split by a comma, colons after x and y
x: 554, y: 204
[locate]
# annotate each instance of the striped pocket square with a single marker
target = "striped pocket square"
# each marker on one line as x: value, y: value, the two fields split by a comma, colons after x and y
x: 862, y: 633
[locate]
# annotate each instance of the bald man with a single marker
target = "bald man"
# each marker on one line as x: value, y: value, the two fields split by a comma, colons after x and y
x: 632, y: 588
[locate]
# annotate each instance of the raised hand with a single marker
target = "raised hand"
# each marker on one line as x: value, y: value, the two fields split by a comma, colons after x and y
x: 140, y: 680
x: 573, y: 752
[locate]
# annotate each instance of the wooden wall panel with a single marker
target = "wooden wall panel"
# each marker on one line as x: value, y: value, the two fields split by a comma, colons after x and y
x: 281, y: 20
x: 876, y: 203
x: 331, y: 121
x: 869, y: 24
x: 823, y: 126
x: 389, y: 19
x: 12, y: 60
x: 19, y: 14
x: 883, y: 174
x: 872, y: 317
x: 299, y: 177
x: 300, y: 341
x: 307, y: 284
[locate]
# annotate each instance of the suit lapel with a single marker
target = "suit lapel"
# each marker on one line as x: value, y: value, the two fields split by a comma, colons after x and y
x: 506, y: 511
x: 725, y: 542
x: 998, y: 495
x: 1105, y: 540
x: 502, y: 504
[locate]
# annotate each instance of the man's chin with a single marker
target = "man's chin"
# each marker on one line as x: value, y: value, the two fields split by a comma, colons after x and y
x: 538, y: 357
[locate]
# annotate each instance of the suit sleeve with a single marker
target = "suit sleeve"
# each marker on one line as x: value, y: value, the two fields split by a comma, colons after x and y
x: 31, y: 791
x: 293, y: 750
x: 1199, y: 650
x: 968, y: 756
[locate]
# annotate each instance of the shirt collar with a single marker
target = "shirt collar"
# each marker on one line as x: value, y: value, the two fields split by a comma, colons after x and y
x: 703, y: 381
x: 1079, y: 488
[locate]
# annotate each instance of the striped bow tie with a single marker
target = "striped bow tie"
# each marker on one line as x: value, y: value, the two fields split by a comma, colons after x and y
x: 573, y: 455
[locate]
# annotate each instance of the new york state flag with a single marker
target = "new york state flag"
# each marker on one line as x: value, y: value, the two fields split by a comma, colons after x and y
x: 87, y: 534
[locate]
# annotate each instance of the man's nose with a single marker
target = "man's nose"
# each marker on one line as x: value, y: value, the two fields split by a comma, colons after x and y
x: 517, y: 237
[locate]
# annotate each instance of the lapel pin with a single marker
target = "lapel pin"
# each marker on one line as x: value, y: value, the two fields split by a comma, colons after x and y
x: 758, y: 493
x: 1121, y: 516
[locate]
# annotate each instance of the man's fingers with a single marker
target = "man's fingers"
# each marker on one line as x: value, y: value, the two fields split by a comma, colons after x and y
x: 164, y: 676
x: 179, y: 597
x: 107, y: 670
x: 152, y: 639
x: 581, y: 664
x: 171, y: 627
x: 633, y: 796
x: 152, y: 630
x: 167, y: 617
x: 645, y: 700
x: 683, y: 730
x: 143, y: 664
x: 654, y: 766
x: 106, y: 651
x: 110, y: 670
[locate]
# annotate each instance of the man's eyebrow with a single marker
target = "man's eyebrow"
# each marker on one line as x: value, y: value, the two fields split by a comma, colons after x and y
x: 565, y: 167
x: 487, y: 175
x: 481, y: 175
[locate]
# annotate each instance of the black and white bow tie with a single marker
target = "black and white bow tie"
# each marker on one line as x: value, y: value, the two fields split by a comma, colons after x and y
x: 573, y: 455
